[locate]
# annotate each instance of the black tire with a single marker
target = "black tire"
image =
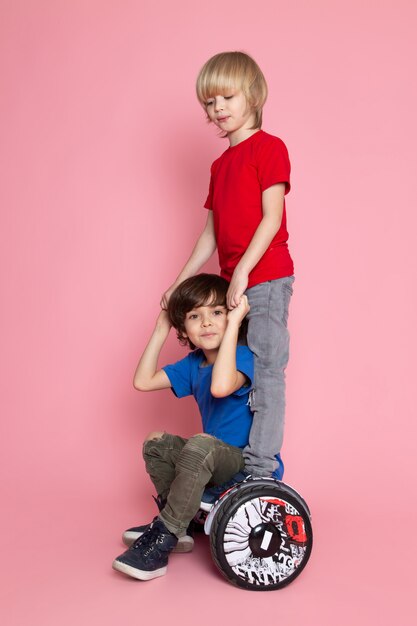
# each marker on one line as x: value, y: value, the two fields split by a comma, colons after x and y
x: 261, y: 536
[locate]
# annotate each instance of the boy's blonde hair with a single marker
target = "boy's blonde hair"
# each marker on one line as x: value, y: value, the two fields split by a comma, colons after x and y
x: 233, y: 70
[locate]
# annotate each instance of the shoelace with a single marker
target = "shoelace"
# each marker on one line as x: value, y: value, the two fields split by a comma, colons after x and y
x: 148, y: 537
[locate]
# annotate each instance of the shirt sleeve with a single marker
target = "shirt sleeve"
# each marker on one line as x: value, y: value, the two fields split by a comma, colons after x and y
x: 179, y: 375
x: 244, y: 364
x: 274, y: 164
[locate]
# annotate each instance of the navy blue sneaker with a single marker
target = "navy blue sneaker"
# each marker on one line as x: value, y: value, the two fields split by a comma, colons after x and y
x: 212, y: 494
x: 147, y: 558
x: 185, y: 543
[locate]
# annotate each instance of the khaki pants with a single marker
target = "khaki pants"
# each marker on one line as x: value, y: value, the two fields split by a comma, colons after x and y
x: 181, y: 468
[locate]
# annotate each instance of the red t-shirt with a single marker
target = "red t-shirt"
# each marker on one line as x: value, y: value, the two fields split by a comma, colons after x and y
x: 238, y: 178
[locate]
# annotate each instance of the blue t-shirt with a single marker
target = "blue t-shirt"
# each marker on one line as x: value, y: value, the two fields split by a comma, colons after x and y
x: 229, y: 418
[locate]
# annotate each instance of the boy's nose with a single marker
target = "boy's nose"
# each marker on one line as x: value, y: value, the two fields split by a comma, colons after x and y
x: 206, y: 321
x: 218, y: 105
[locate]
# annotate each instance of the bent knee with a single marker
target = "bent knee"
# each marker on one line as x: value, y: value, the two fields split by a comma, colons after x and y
x: 202, y: 441
x: 201, y: 437
x: 154, y: 435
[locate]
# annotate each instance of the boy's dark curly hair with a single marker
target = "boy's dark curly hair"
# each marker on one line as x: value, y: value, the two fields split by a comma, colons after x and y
x: 199, y: 290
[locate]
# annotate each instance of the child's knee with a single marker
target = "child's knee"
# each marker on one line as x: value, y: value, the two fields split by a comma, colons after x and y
x: 151, y: 444
x: 202, y: 440
x: 153, y: 436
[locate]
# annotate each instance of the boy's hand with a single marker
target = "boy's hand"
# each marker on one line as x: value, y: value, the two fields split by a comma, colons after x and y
x: 237, y: 314
x: 166, y: 296
x: 237, y: 288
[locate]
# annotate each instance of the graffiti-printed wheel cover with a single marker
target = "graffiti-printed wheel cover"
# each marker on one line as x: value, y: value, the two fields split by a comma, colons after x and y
x: 261, y: 537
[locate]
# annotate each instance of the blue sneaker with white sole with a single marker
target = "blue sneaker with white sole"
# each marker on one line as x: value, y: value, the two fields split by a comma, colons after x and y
x: 147, y: 558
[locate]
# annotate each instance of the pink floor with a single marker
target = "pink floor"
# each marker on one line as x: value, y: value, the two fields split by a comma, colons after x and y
x: 359, y: 573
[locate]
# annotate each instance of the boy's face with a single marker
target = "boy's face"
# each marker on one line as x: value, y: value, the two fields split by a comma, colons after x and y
x: 205, y: 326
x: 230, y: 111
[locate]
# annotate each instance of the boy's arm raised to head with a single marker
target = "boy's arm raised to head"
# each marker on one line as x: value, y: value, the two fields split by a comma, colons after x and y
x: 147, y: 376
x: 203, y: 249
x: 226, y: 379
x: 272, y: 209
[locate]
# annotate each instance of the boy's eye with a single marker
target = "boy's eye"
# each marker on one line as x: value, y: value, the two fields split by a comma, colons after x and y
x: 218, y: 312
x: 193, y: 316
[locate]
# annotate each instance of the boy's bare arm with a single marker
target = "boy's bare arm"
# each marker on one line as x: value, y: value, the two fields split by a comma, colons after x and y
x: 203, y: 249
x: 272, y: 208
x: 147, y: 376
x: 226, y: 379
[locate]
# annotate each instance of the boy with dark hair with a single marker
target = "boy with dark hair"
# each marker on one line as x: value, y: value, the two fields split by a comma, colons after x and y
x: 218, y: 373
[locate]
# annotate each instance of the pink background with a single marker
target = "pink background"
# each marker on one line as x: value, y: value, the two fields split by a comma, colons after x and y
x: 105, y: 157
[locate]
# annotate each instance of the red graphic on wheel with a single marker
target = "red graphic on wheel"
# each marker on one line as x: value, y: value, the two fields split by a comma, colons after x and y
x: 295, y: 528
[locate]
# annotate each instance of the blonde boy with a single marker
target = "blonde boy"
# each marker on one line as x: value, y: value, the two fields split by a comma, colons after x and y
x: 246, y: 221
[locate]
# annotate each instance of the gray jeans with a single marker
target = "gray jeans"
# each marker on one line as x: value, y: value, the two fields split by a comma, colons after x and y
x: 268, y: 338
x: 181, y: 468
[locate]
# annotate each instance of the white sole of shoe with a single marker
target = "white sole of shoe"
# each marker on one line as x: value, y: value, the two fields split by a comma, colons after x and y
x: 185, y: 544
x: 137, y: 573
x: 205, y: 506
